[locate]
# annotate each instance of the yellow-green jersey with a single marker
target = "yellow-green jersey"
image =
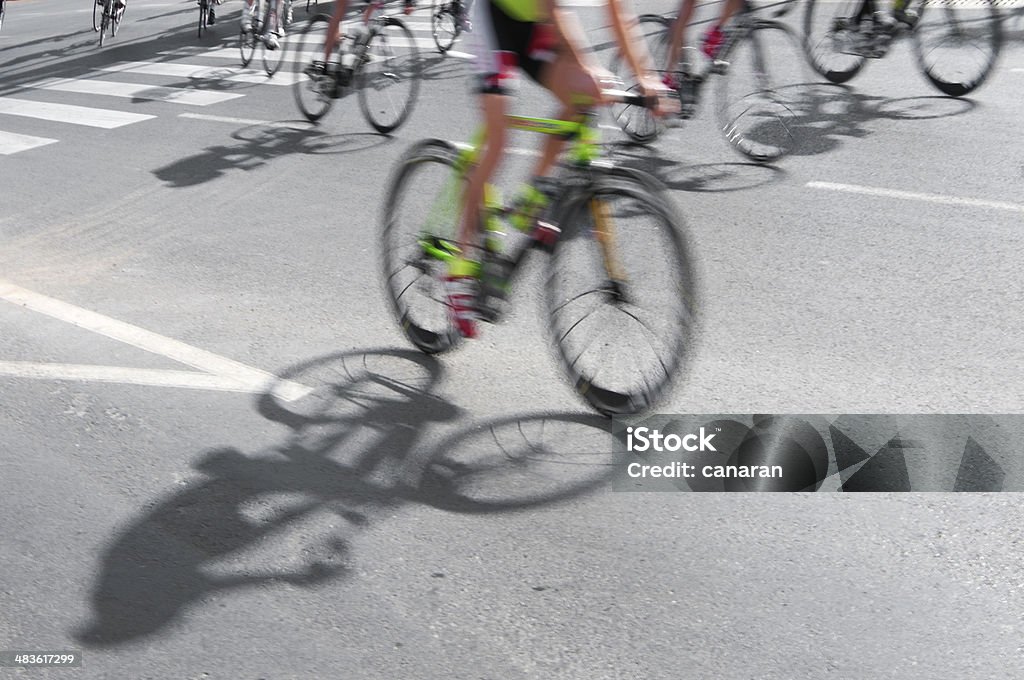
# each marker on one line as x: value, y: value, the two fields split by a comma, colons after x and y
x: 523, y: 10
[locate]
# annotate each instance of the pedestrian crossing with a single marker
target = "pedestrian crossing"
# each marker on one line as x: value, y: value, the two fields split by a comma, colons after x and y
x: 189, y: 78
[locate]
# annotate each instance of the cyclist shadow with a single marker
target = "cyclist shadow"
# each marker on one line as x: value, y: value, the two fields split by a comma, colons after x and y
x: 355, y: 423
x: 441, y: 67
x: 260, y: 144
x: 703, y: 177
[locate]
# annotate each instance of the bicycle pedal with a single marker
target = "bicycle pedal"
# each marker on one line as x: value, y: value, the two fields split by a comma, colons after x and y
x: 719, y: 67
x: 545, y: 236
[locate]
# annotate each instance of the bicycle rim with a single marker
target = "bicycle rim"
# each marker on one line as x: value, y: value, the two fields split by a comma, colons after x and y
x: 830, y: 30
x: 443, y: 25
x: 312, y: 95
x: 622, y: 323
x: 422, y: 208
x: 762, y: 95
x: 272, y: 59
x: 957, y: 44
x: 389, y: 78
x: 637, y: 122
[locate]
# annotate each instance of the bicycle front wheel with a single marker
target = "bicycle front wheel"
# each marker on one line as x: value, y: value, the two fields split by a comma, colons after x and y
x: 831, y: 36
x: 760, y: 96
x: 203, y: 11
x: 637, y: 122
x: 273, y: 58
x: 621, y: 293
x: 957, y: 44
x: 389, y: 76
x: 105, y: 21
x: 312, y: 90
x: 421, y: 214
x: 444, y: 25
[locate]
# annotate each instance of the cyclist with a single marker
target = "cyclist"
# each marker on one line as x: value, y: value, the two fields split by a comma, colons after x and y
x: 273, y: 40
x: 340, y: 7
x: 543, y: 40
x: 710, y: 45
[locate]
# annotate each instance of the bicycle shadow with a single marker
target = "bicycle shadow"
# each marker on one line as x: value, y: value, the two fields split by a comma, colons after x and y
x: 258, y: 146
x: 356, y: 421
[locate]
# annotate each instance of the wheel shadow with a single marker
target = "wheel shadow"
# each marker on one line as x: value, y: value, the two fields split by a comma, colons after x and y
x: 260, y: 144
x: 355, y: 449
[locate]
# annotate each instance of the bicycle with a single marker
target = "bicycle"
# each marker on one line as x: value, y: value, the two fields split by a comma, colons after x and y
x: 107, y: 13
x: 590, y: 256
x: 377, y: 60
x: 838, y: 45
x: 447, y: 22
x: 204, y: 14
x: 3, y: 12
x: 259, y: 32
x: 755, y: 112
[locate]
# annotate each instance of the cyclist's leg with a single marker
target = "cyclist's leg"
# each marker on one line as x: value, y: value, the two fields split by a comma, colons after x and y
x: 569, y: 81
x: 247, y: 11
x: 333, y: 28
x: 714, y: 38
x: 677, y: 36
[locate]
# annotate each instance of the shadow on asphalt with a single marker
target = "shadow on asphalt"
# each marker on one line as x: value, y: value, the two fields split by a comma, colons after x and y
x: 354, y: 450
x: 258, y: 145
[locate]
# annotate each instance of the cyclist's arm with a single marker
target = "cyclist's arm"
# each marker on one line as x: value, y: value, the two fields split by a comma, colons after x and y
x: 632, y: 46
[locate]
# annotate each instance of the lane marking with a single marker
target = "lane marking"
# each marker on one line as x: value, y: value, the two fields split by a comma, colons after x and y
x: 296, y: 125
x: 195, y: 71
x: 68, y: 113
x: 110, y: 88
x: 11, y: 142
x: 914, y: 196
x: 515, y: 151
x: 245, y: 378
x: 125, y: 376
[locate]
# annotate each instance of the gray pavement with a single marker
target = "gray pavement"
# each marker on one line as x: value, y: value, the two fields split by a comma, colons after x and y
x: 163, y: 514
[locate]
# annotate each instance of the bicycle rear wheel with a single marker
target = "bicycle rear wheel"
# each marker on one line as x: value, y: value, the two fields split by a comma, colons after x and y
x: 247, y: 37
x: 639, y: 123
x: 389, y: 77
x: 444, y: 25
x: 830, y: 38
x: 761, y: 93
x: 204, y: 10
x: 421, y: 214
x: 621, y: 293
x: 273, y: 58
x: 97, y: 15
x: 957, y: 44
x: 313, y: 91
x: 3, y: 12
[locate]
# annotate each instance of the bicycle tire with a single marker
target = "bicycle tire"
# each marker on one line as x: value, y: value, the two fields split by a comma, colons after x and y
x: 105, y: 21
x: 638, y: 123
x: 115, y: 20
x: 97, y: 15
x: 3, y: 12
x: 759, y: 118
x: 203, y: 13
x: 272, y: 58
x: 445, y: 35
x: 247, y: 37
x: 820, y: 48
x: 989, y: 44
x: 309, y: 46
x: 600, y: 377
x: 399, y: 57
x: 407, y: 219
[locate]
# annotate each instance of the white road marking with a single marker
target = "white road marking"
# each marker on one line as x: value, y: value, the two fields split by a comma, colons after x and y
x: 195, y: 71
x: 11, y: 142
x: 914, y: 196
x: 125, y: 376
x: 67, y: 113
x: 244, y: 378
x: 515, y: 151
x: 175, y: 95
x: 295, y: 124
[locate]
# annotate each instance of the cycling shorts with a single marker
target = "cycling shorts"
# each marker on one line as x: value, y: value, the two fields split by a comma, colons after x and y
x: 502, y: 44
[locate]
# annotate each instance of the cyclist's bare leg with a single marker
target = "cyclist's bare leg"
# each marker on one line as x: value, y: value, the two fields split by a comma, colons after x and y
x: 570, y: 82
x: 333, y: 28
x: 495, y: 106
x: 678, y: 34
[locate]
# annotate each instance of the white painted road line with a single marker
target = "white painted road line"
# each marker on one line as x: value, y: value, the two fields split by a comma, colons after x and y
x: 913, y: 196
x: 67, y: 113
x: 197, y: 72
x: 125, y: 376
x: 245, y: 378
x: 11, y: 142
x: 292, y: 124
x: 174, y: 95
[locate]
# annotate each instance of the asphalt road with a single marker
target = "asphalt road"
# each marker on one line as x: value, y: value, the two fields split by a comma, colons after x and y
x: 165, y: 255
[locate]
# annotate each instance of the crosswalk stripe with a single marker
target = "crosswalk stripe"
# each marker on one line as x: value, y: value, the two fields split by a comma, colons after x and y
x: 11, y: 142
x: 195, y: 71
x: 176, y: 95
x: 68, y: 113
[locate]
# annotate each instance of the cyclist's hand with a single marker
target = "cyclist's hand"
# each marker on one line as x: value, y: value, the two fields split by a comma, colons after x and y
x: 660, y: 96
